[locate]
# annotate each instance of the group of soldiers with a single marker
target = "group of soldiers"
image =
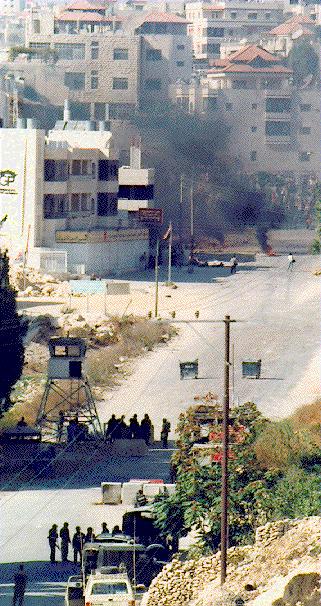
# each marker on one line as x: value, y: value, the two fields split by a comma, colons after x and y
x: 117, y: 429
x: 77, y: 542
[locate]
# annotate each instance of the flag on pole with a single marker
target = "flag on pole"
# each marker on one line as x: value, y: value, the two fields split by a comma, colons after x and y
x: 168, y: 232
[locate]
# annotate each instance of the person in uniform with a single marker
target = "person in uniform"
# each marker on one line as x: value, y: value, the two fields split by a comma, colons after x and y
x: 52, y: 538
x: 65, y: 540
x: 104, y: 529
x: 134, y: 427
x: 77, y: 543
x: 166, y: 427
x: 89, y: 536
x: 20, y: 583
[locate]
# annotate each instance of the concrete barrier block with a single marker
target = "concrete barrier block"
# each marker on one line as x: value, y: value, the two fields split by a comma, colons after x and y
x: 111, y: 493
x: 152, y: 490
x: 129, y: 492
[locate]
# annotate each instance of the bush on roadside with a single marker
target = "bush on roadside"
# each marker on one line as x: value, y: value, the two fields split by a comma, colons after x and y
x: 283, y: 444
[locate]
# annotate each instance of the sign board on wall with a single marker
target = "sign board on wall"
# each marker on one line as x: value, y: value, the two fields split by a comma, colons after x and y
x: 152, y: 216
x: 100, y: 236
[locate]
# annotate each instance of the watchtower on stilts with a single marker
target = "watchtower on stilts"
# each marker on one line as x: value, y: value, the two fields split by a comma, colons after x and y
x: 67, y: 396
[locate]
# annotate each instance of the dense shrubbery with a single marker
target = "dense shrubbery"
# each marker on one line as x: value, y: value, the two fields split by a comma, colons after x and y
x: 273, y: 475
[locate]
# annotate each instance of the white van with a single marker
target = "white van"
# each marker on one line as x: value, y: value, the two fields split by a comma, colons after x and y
x: 109, y: 590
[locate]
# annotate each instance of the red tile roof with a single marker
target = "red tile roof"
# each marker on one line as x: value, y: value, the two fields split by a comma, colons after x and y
x: 291, y: 25
x: 244, y: 68
x: 163, y: 18
x: 86, y: 16
x: 251, y: 52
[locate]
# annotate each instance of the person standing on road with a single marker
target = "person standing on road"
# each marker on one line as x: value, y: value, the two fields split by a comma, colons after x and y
x: 291, y: 261
x: 20, y: 583
x: 77, y: 544
x: 89, y: 537
x: 146, y: 429
x: 52, y: 538
x: 65, y: 540
x: 234, y: 264
x: 134, y: 427
x: 166, y: 427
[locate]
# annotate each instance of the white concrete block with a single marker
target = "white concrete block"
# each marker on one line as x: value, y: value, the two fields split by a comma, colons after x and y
x: 129, y: 492
x: 111, y: 492
x: 152, y: 490
x: 170, y: 488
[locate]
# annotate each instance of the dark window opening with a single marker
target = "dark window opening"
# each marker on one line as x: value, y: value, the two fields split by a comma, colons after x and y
x: 106, y: 205
x: 108, y: 170
x: 278, y: 105
x: 276, y: 129
x: 136, y: 192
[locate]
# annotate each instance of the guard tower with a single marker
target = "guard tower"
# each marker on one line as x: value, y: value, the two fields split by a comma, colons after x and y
x: 67, y: 395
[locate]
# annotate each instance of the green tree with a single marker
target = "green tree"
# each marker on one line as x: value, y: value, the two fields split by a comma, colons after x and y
x: 296, y: 495
x: 11, y: 336
x: 304, y: 62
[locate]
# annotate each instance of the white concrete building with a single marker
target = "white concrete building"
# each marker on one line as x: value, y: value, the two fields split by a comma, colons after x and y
x: 60, y: 193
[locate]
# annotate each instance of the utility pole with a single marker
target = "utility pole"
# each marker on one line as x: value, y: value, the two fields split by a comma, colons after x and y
x: 190, y: 268
x: 170, y: 245
x: 180, y: 218
x: 226, y: 408
x: 156, y: 276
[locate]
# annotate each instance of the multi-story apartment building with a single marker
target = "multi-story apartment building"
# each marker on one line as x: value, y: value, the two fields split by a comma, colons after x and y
x: 93, y: 59
x: 11, y: 7
x: 273, y: 126
x: 166, y: 54
x: 60, y: 193
x: 212, y: 24
x: 280, y: 39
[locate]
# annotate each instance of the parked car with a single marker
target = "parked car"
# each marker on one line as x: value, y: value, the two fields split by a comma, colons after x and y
x: 108, y: 590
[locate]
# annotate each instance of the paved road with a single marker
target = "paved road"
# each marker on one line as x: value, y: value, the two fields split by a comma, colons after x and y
x: 46, y: 583
x: 279, y: 317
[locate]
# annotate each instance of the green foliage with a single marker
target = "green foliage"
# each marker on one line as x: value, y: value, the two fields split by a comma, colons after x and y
x: 296, y: 495
x: 48, y: 55
x: 304, y: 62
x: 282, y: 445
x: 11, y: 336
x: 257, y: 493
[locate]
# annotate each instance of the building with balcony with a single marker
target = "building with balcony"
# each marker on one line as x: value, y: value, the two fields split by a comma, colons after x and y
x: 61, y: 193
x: 211, y: 25
x: 273, y: 127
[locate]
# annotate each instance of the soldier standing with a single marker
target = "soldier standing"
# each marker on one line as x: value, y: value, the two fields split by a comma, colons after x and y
x: 166, y: 426
x: 77, y: 544
x: 65, y: 540
x: 52, y: 538
x: 20, y: 583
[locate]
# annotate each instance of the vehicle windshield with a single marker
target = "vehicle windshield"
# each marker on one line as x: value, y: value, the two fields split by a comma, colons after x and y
x: 108, y: 588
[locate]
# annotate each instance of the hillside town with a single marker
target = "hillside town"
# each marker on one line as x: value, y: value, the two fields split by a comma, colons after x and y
x: 159, y: 302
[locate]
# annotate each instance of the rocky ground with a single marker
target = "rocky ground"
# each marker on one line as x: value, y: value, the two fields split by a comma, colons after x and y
x: 280, y: 569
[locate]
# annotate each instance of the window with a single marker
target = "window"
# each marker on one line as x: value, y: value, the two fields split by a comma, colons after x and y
x: 181, y: 47
x: 114, y: 588
x: 253, y: 129
x: 252, y: 16
x: 120, y: 54
x: 239, y: 84
x: 80, y: 167
x: 276, y: 105
x: 136, y: 192
x: 70, y: 52
x: 75, y: 203
x: 212, y: 103
x: 106, y: 205
x: 233, y: 15
x: 75, y: 80
x: 94, y: 50
x: 120, y: 83
x: 267, y: 16
x: 94, y: 80
x: 215, y: 32
x: 36, y: 26
x: 108, y: 170
x: 277, y: 128
x: 305, y: 107
x: 253, y: 156
x: 254, y: 105
x: 153, y: 84
x: 56, y: 170
x: 305, y: 130
x: 213, y: 49
x: 153, y: 54
x: 55, y: 206
x: 84, y: 202
x: 180, y: 63
x: 228, y: 106
x: 305, y: 157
